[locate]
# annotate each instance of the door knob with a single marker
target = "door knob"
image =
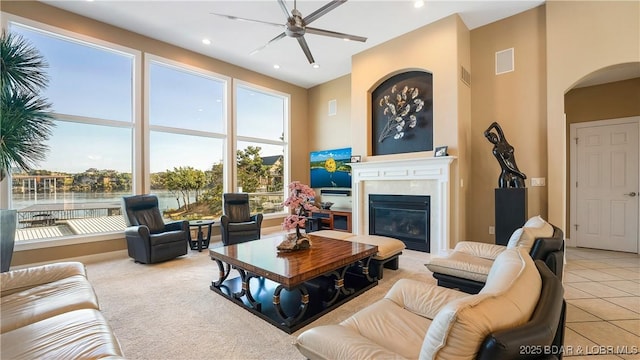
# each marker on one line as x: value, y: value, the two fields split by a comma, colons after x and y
x: 632, y: 194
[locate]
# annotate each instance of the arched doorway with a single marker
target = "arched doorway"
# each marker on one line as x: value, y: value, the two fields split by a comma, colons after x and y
x: 604, y: 34
x: 602, y: 115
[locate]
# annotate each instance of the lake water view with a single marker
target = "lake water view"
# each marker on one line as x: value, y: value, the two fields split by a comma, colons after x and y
x: 166, y: 200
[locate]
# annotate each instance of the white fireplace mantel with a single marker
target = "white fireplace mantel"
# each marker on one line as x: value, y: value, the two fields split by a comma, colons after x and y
x: 432, y: 169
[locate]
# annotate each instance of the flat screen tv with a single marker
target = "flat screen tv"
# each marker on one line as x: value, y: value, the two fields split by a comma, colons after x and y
x: 329, y: 168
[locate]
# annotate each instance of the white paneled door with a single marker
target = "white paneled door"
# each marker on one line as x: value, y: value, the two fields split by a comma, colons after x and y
x: 607, y: 187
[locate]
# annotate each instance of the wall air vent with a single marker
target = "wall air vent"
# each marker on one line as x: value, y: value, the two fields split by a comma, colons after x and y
x: 504, y: 61
x: 333, y: 107
x: 465, y: 76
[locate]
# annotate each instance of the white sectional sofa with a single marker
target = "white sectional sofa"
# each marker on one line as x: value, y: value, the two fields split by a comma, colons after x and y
x: 52, y: 312
x: 521, y: 304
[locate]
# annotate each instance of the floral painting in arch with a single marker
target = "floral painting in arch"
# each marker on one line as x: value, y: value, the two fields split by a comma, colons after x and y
x: 402, y: 114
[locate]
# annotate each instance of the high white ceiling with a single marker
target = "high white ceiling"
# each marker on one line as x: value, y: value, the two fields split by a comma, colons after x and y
x: 186, y: 23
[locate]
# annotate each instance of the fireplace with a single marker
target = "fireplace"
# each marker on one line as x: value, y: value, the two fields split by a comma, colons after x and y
x: 425, y: 176
x: 404, y: 217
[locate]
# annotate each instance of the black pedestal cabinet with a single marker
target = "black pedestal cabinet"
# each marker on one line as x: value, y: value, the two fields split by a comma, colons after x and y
x: 511, y: 212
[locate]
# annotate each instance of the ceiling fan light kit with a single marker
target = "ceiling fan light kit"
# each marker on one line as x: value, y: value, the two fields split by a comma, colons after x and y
x: 296, y: 27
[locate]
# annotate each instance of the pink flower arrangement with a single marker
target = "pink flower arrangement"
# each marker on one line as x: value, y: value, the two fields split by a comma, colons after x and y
x: 300, y: 201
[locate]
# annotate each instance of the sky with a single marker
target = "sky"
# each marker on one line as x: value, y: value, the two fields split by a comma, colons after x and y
x: 89, y: 81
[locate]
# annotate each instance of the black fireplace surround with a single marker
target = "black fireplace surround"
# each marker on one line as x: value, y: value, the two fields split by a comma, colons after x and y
x: 404, y: 217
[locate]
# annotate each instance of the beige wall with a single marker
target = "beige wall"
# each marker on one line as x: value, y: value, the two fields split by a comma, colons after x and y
x: 607, y: 101
x: 582, y: 37
x: 64, y: 252
x: 330, y: 132
x: 444, y: 40
x: 554, y: 49
x: 299, y: 131
x: 516, y: 100
x: 463, y: 189
x: 435, y: 48
x: 438, y: 46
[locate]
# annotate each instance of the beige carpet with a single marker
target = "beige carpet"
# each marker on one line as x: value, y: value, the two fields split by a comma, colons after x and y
x: 167, y: 311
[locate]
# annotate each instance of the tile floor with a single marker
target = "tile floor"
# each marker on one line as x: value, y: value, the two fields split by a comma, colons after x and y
x: 602, y: 290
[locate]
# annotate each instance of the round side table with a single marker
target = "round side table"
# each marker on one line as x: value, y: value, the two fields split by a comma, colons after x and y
x: 201, y: 242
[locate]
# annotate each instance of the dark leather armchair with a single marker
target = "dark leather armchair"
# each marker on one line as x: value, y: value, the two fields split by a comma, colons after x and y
x: 236, y: 224
x: 149, y: 239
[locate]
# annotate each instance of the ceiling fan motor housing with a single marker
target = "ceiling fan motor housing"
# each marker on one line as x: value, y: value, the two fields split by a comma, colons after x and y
x: 295, y: 25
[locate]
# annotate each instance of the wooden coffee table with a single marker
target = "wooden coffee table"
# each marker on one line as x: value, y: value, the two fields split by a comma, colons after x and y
x: 293, y: 289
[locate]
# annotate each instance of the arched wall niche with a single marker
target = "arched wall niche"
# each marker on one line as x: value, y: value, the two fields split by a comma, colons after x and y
x: 392, y: 74
x: 400, y: 113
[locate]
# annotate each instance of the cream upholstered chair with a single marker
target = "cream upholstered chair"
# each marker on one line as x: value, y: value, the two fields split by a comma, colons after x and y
x: 467, y: 266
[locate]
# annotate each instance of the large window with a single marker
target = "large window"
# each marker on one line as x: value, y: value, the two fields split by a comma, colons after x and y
x: 186, y: 141
x: 261, y: 146
x: 187, y: 117
x: 77, y: 189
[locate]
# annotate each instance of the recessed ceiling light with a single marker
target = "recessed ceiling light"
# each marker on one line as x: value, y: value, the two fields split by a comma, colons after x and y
x: 418, y: 4
x: 206, y: 41
x: 346, y: 39
x: 276, y: 66
x: 315, y: 66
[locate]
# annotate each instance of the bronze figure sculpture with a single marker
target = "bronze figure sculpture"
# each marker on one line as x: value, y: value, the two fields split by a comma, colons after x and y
x: 510, y: 176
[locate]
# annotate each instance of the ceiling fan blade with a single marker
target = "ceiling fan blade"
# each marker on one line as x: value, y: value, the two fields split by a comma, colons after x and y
x: 269, y: 43
x: 321, y: 11
x: 283, y: 6
x: 305, y: 49
x: 334, y: 34
x: 231, y: 17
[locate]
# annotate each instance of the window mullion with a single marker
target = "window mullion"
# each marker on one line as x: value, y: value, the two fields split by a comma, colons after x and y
x: 93, y: 121
x: 192, y: 132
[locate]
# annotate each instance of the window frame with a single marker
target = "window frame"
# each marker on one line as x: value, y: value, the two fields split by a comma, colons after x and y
x: 135, y: 125
x: 224, y: 136
x: 286, y: 130
x: 141, y: 128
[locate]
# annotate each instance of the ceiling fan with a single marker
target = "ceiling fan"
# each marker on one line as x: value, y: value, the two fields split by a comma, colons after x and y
x: 296, y: 26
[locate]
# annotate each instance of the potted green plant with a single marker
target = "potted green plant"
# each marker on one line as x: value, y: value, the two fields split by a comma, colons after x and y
x: 25, y: 120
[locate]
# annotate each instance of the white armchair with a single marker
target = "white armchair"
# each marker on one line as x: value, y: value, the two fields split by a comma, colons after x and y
x: 467, y: 266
